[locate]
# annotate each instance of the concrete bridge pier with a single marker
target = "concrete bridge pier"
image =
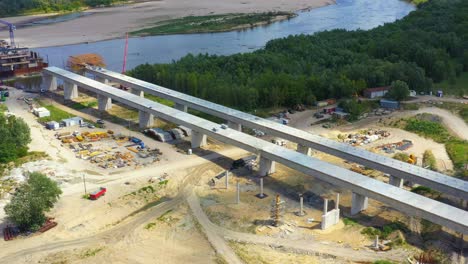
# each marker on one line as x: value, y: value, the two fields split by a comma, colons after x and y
x: 304, y: 150
x: 181, y: 107
x: 266, y: 167
x: 395, y: 181
x: 198, y: 139
x: 104, y: 103
x: 138, y: 92
x: 102, y: 79
x: 70, y: 91
x: 235, y: 126
x: 145, y: 119
x: 358, y: 203
x: 50, y: 82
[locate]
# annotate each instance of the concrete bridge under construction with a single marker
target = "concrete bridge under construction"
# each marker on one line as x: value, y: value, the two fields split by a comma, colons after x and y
x: 361, y: 186
x: 398, y: 170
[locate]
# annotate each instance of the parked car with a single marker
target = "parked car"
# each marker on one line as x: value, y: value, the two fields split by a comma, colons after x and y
x: 91, y: 126
x: 100, y: 122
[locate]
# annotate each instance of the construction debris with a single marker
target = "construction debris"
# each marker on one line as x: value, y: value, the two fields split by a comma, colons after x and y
x: 364, y: 137
x: 107, y: 150
x: 401, y: 145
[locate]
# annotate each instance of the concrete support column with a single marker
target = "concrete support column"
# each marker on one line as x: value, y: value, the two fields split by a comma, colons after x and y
x: 198, y: 139
x: 266, y: 166
x: 104, y: 103
x: 395, y: 181
x: 102, y: 79
x: 70, y: 91
x: 303, y: 149
x: 358, y: 203
x: 50, y: 82
x: 234, y: 126
x: 181, y: 107
x: 145, y: 119
x: 238, y: 193
x: 301, y: 203
x: 227, y: 179
x: 138, y: 92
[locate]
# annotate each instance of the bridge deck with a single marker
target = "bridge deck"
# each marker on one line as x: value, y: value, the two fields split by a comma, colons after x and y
x: 408, y: 202
x: 429, y: 178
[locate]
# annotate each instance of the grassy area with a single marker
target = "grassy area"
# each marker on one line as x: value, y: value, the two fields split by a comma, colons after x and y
x: 385, y: 231
x: 429, y: 126
x: 457, y: 86
x: 56, y: 114
x: 84, y: 105
x: 429, y: 160
x: 159, y: 100
x: 3, y: 108
x: 211, y: 23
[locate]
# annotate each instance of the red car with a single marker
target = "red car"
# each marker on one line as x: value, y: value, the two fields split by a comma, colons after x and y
x: 95, y: 195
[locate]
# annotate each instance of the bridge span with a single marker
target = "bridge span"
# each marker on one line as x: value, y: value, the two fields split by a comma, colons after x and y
x: 361, y: 186
x: 397, y: 169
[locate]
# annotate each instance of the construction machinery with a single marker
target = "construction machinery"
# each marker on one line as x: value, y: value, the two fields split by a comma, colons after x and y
x: 11, y: 28
x: 412, y: 159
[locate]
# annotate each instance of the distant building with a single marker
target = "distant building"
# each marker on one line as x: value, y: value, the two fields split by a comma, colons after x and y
x: 72, y: 121
x: 376, y: 92
x: 52, y: 125
x: 389, y: 104
x: 340, y: 115
x: 41, y: 112
x: 412, y: 93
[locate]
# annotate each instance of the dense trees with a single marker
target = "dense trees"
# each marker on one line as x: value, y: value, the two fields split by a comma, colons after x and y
x: 34, y: 197
x: 10, y: 8
x: 14, y: 139
x: 399, y: 91
x: 427, y: 46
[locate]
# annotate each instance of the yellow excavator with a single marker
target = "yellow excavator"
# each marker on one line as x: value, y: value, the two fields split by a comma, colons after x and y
x: 412, y: 159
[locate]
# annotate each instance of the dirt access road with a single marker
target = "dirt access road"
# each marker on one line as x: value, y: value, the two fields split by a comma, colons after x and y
x: 113, y: 22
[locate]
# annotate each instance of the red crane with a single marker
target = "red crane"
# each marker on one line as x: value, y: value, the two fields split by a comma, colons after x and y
x: 125, y: 55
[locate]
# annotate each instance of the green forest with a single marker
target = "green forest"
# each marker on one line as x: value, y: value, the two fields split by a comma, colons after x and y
x: 428, y: 46
x: 16, y: 7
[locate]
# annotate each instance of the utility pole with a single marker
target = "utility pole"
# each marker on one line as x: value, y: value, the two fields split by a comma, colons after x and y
x: 84, y: 183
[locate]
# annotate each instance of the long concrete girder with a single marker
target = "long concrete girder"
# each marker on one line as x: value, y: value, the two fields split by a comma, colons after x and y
x: 432, y: 179
x: 400, y: 199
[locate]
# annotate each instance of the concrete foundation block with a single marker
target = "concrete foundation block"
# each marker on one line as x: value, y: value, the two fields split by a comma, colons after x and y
x: 358, y: 203
x: 181, y: 107
x: 145, y: 119
x: 330, y: 219
x: 138, y: 92
x: 70, y: 91
x: 49, y: 81
x: 304, y: 149
x: 235, y: 126
x: 198, y: 139
x: 104, y: 103
x: 266, y: 167
x: 395, y: 181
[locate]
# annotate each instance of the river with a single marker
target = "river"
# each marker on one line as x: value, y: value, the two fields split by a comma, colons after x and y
x: 346, y: 14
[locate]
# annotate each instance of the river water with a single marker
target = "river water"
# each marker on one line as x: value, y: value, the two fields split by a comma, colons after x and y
x: 346, y: 14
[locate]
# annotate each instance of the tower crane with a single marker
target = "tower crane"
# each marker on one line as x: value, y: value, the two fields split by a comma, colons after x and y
x: 11, y: 28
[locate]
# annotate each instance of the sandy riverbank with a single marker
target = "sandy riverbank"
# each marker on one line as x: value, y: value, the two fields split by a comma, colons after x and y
x: 110, y: 23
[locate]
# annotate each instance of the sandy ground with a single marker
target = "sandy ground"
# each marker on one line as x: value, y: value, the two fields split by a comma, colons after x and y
x: 110, y: 23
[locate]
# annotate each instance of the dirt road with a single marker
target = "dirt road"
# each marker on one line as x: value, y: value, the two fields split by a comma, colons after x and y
x: 450, y: 120
x: 217, y: 233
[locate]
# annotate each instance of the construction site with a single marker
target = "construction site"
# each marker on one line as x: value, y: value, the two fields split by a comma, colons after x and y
x: 148, y: 174
x: 161, y: 180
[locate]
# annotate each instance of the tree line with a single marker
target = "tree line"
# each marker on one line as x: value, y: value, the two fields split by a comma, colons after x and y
x: 14, y: 139
x: 426, y: 47
x: 11, y: 8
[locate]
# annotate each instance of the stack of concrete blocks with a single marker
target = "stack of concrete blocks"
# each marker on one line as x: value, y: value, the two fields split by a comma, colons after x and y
x: 333, y: 217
